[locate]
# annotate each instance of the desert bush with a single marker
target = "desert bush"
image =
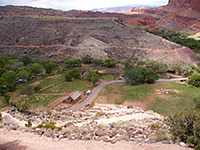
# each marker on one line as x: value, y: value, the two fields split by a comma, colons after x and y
x: 29, y: 124
x: 185, y: 126
x: 21, y: 102
x: 40, y: 126
x: 49, y: 111
x: 51, y: 125
x: 194, y: 79
x: 160, y: 135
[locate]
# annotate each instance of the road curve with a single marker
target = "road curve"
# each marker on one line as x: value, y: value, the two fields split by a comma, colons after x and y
x: 94, y: 93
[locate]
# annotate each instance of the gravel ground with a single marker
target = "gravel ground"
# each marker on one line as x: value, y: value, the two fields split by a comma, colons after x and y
x: 17, y: 140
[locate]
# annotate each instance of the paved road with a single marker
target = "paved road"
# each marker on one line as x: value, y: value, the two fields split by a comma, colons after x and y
x: 94, y: 93
x: 173, y: 79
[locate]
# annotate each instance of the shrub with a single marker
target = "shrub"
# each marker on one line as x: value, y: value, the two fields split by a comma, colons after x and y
x: 160, y: 135
x: 194, y: 79
x: 37, y: 88
x: 51, y: 125
x: 68, y: 77
x: 27, y: 90
x: 197, y: 102
x: 49, y: 111
x: 185, y: 126
x: 21, y: 102
x: 40, y: 126
x: 29, y: 124
x: 7, y: 98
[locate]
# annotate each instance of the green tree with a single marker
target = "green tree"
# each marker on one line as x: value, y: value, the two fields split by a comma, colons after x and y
x: 87, y: 59
x: 2, y: 70
x: 150, y: 76
x: 93, y: 76
x: 127, y: 62
x: 25, y: 59
x: 194, y: 79
x: 75, y: 74
x: 109, y: 63
x: 23, y: 74
x: 37, y: 68
x: 11, y: 78
x: 140, y: 74
x: 157, y: 67
x: 21, y: 103
x: 68, y: 77
x: 73, y: 62
x: 177, y: 69
x: 50, y: 66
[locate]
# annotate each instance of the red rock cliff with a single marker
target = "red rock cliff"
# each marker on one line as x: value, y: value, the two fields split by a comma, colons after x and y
x: 194, y: 4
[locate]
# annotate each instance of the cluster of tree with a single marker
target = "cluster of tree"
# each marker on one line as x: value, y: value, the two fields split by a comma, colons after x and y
x: 140, y: 74
x: 178, y: 38
x: 186, y: 70
x: 89, y: 60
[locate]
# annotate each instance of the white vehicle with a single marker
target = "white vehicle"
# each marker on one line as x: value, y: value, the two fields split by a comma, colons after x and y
x: 88, y: 92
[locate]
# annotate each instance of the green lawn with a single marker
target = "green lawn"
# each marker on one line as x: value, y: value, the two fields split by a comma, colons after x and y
x: 161, y: 103
x: 108, y: 77
x: 69, y: 87
x: 42, y: 100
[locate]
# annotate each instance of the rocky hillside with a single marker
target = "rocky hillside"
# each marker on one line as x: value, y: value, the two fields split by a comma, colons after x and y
x: 58, y: 37
x: 101, y: 127
x: 109, y: 123
x: 180, y: 15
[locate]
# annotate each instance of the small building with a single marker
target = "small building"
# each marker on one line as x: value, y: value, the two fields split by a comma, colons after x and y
x: 73, y: 98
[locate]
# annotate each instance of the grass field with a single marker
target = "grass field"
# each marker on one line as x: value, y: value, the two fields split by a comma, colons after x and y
x: 40, y: 100
x: 152, y: 96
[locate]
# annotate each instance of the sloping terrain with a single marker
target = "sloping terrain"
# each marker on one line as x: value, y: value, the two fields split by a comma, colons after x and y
x: 58, y: 37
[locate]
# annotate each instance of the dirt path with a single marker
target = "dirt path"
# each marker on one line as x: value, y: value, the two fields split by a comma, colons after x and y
x: 17, y: 140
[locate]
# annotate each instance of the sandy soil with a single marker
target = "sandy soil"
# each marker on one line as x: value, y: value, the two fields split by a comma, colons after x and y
x: 17, y: 140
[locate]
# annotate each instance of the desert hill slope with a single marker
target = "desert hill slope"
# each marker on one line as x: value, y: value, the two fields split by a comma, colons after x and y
x: 57, y: 37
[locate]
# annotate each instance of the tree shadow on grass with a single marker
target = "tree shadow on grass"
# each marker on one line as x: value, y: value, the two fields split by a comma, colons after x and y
x: 14, y: 145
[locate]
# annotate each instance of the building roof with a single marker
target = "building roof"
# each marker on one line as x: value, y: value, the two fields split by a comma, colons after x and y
x: 76, y: 95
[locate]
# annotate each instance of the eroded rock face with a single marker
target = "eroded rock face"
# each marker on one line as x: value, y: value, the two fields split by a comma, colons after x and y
x: 194, y: 4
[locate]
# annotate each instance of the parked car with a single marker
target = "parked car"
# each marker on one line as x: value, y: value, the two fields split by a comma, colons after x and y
x: 87, y: 105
